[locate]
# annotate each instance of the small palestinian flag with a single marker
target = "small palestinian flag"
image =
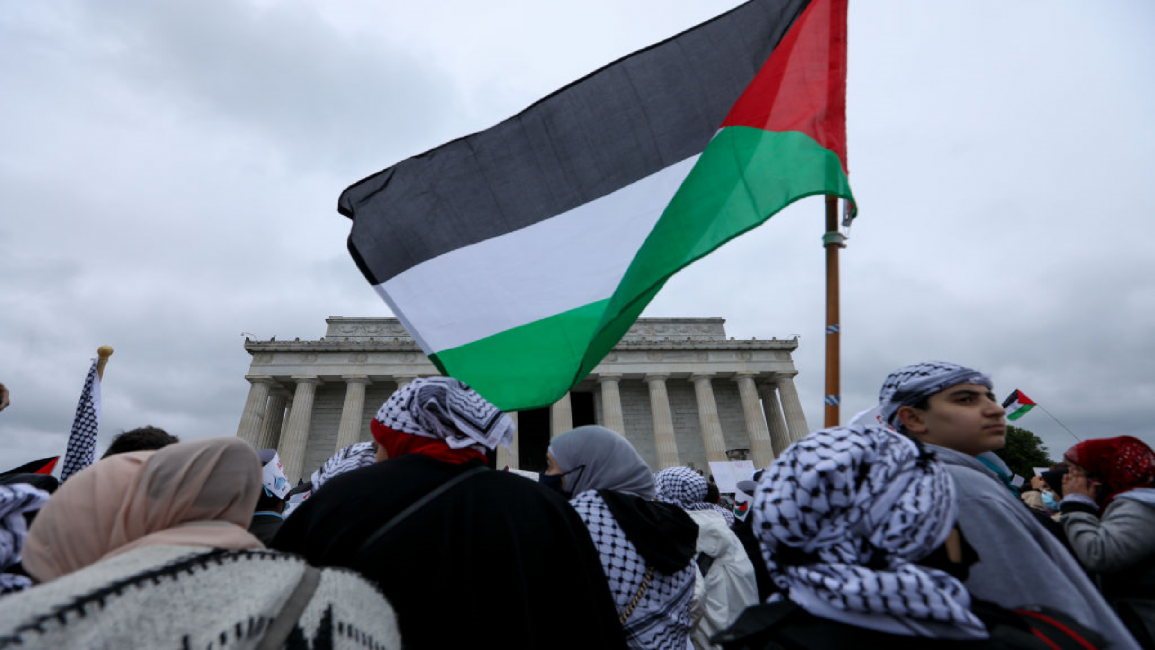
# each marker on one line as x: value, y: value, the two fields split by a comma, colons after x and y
x: 1017, y: 405
x: 42, y: 466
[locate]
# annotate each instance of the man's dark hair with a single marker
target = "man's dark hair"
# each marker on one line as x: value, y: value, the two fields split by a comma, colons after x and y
x: 712, y: 494
x: 146, y: 438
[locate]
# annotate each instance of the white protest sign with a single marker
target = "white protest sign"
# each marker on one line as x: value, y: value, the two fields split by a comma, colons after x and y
x: 728, y: 473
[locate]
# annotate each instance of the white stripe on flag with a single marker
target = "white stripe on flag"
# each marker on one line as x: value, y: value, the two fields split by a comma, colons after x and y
x: 535, y: 272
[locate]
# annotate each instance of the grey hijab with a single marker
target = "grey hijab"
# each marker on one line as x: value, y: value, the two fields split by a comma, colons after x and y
x: 611, y: 462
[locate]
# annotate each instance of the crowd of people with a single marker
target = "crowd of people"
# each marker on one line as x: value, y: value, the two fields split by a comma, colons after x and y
x: 900, y: 530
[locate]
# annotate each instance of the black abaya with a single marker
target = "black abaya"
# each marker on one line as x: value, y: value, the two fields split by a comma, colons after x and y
x: 496, y: 560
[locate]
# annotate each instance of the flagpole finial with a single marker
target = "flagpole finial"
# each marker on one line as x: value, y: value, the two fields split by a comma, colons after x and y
x: 102, y: 354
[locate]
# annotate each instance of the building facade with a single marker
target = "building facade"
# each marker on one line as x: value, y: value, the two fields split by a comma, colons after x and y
x: 677, y: 388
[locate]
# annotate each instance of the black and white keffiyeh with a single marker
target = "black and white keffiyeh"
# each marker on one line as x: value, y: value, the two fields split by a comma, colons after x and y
x: 686, y: 489
x: 449, y: 410
x: 81, y: 451
x: 682, y: 487
x: 910, y: 385
x: 843, y: 514
x: 345, y: 460
x: 662, y: 618
x: 15, y: 500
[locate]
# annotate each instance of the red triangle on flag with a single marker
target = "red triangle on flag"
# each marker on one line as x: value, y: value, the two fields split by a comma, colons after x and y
x: 1023, y: 399
x: 41, y: 466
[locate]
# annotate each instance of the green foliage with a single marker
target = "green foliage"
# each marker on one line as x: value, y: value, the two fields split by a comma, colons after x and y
x: 1023, y: 452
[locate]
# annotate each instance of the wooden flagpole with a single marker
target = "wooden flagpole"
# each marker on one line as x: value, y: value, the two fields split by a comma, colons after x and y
x: 102, y: 354
x: 832, y: 240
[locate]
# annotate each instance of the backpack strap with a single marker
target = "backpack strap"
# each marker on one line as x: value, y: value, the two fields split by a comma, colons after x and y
x: 388, y: 526
x: 279, y: 630
x: 1058, y: 630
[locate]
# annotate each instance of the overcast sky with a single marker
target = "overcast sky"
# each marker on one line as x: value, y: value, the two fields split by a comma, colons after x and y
x: 169, y: 174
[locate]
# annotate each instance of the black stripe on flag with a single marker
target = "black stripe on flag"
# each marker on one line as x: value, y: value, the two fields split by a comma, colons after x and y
x: 629, y: 119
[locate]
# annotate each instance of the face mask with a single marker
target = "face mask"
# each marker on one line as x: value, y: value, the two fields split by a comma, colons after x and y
x: 554, y: 481
x: 1049, y: 500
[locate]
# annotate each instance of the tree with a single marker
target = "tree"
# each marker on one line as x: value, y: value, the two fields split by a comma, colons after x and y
x: 1023, y: 452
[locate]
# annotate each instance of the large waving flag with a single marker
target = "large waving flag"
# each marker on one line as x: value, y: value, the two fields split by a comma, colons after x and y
x: 517, y: 257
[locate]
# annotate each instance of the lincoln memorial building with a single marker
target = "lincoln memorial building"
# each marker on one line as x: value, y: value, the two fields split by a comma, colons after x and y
x: 677, y: 388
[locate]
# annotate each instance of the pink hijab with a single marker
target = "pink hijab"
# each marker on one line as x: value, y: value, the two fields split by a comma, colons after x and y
x: 198, y: 493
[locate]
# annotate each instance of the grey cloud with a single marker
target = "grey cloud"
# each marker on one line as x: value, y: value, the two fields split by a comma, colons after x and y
x: 168, y: 177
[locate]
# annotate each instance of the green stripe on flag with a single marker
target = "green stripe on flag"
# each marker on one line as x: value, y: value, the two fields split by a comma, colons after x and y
x: 743, y: 178
x: 1020, y: 412
x: 530, y: 366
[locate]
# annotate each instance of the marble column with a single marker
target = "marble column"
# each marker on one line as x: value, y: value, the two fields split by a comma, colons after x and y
x: 664, y: 441
x: 760, y: 446
x: 296, y: 435
x: 560, y: 417
x: 708, y: 421
x: 508, y: 457
x: 792, y: 408
x: 274, y: 419
x: 253, y: 416
x: 612, y: 417
x: 285, y: 421
x: 779, y: 436
x: 403, y: 380
x: 349, y: 431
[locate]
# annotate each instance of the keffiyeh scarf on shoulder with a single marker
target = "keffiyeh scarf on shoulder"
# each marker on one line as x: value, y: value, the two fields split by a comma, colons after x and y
x: 912, y: 384
x: 15, y: 500
x: 662, y: 617
x: 446, y: 409
x: 843, y: 515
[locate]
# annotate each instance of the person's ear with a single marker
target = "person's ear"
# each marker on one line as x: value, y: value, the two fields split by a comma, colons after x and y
x: 912, y: 419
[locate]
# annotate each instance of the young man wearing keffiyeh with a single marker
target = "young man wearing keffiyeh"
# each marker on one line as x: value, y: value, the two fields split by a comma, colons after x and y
x: 953, y: 411
x: 857, y: 526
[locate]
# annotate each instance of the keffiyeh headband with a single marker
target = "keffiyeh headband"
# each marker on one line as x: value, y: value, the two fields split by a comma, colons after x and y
x: 912, y: 384
x: 844, y: 513
x: 682, y: 487
x: 446, y: 409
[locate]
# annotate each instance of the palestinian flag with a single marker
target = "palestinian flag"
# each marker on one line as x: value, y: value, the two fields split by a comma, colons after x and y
x: 1017, y: 405
x: 517, y: 257
x: 42, y: 466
